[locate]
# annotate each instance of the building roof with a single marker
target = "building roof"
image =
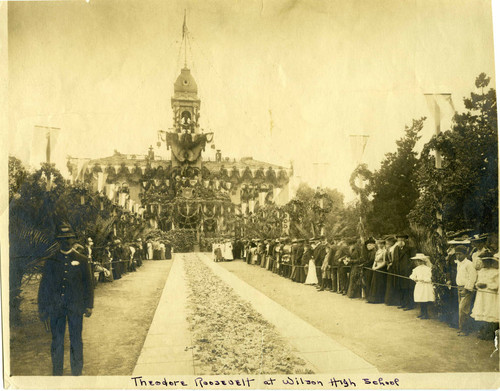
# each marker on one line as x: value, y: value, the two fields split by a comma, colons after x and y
x: 242, y: 163
x: 130, y: 161
x: 185, y: 83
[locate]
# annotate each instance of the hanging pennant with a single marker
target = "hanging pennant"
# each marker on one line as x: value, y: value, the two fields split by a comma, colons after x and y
x: 262, y: 198
x: 276, y: 192
x: 100, y: 181
x: 121, y: 199
x: 244, y: 207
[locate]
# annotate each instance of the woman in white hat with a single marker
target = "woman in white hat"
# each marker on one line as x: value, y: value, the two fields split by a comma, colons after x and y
x: 424, y: 290
x: 486, y: 304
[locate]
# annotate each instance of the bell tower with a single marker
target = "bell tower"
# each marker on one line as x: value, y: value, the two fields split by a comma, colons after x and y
x: 185, y: 103
x: 186, y: 140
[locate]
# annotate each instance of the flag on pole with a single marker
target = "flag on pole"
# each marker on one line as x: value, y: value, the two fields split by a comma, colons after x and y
x: 184, y: 26
x: 358, y: 146
x: 439, y: 106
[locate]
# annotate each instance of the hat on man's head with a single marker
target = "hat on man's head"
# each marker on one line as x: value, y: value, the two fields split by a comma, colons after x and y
x: 401, y: 235
x: 488, y: 256
x: 369, y: 240
x: 391, y: 239
x: 64, y: 231
x: 461, y: 249
x: 479, y: 238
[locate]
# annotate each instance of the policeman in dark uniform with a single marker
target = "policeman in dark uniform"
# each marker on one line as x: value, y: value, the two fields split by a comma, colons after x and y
x: 65, y: 295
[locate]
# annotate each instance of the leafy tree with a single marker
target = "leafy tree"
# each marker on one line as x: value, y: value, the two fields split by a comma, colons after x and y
x: 307, y: 213
x: 466, y: 187
x: 17, y: 175
x: 393, y: 186
x: 40, y: 201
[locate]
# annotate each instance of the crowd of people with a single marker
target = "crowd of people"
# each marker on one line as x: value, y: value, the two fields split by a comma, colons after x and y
x: 223, y: 250
x: 117, y: 258
x: 389, y: 270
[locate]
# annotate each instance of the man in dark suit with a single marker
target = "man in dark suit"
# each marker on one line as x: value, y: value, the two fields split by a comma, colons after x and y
x: 319, y: 253
x: 65, y: 295
x: 403, y: 266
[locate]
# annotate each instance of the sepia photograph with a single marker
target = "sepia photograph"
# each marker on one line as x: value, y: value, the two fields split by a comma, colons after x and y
x: 285, y: 194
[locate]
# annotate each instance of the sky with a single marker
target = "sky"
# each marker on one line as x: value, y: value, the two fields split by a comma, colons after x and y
x: 281, y: 80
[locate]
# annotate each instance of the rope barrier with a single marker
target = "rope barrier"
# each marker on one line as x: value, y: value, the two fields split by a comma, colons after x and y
x: 449, y: 286
x: 430, y: 282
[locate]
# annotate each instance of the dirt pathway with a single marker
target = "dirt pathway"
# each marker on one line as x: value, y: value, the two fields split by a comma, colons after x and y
x: 113, y: 336
x: 390, y: 339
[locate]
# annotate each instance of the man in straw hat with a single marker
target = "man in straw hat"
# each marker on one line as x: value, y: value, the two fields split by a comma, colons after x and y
x: 466, y: 278
x: 65, y: 295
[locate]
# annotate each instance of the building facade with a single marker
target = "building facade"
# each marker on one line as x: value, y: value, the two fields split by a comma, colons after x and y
x: 186, y: 191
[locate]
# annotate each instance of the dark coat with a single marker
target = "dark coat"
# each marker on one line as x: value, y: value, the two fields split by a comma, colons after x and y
x: 66, y: 284
x: 319, y: 254
x: 403, y: 265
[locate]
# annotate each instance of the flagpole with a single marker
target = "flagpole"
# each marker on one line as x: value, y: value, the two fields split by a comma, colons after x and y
x: 438, y: 158
x: 358, y: 158
x: 184, y: 38
x: 48, y: 129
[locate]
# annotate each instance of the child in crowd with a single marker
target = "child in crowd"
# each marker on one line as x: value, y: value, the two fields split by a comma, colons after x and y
x: 424, y: 290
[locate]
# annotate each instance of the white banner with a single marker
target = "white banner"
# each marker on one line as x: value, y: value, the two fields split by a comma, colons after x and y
x: 100, y: 181
x: 121, y: 199
x: 358, y: 146
x: 110, y: 192
x: 262, y: 198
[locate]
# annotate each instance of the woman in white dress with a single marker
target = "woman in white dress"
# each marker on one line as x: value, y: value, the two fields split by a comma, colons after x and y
x: 486, y: 304
x: 150, y: 250
x: 228, y: 251
x: 312, y: 277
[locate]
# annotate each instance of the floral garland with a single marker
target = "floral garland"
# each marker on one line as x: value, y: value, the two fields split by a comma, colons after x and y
x: 360, y: 171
